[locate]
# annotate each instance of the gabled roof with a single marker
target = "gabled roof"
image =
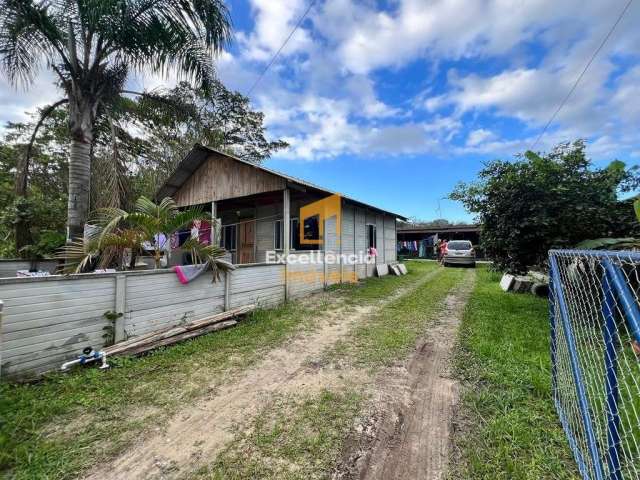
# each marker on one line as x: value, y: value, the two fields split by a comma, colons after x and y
x: 199, y: 155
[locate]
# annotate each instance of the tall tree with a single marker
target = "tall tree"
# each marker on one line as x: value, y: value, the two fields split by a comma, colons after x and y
x: 539, y: 202
x: 92, y: 45
x: 42, y: 212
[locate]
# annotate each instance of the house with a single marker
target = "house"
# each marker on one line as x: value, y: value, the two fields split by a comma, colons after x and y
x: 260, y: 211
x: 411, y: 235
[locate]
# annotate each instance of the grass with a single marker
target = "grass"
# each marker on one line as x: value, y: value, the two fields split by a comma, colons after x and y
x: 46, y: 426
x: 375, y: 289
x: 302, y: 437
x: 66, y: 423
x: 391, y: 333
x: 295, y: 437
x: 508, y: 425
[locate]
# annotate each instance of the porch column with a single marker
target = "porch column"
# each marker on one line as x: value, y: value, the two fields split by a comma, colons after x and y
x: 214, y: 225
x: 286, y: 224
x: 286, y: 220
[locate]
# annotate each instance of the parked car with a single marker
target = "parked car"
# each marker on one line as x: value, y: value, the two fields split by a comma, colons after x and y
x: 459, y: 252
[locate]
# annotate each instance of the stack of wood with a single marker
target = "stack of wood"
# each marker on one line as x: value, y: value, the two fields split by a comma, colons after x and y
x: 171, y: 335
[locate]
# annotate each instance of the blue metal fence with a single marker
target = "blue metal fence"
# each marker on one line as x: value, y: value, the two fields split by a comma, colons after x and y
x: 595, y: 354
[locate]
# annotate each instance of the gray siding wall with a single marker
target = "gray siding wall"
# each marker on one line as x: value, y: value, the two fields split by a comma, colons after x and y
x: 49, y: 320
x: 45, y: 320
x: 361, y: 240
x: 347, y: 241
x: 332, y: 247
x: 304, y: 279
x: 157, y: 301
x: 380, y: 238
x: 390, y: 239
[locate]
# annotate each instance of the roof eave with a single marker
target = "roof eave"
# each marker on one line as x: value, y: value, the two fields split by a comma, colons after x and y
x: 198, y: 155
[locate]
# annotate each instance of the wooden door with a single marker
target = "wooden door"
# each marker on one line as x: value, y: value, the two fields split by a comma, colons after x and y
x: 247, y: 242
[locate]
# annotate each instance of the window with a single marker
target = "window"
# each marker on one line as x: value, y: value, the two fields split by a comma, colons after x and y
x: 312, y: 228
x: 228, y: 237
x: 278, y: 234
x: 371, y: 236
x: 294, y: 234
x: 459, y: 245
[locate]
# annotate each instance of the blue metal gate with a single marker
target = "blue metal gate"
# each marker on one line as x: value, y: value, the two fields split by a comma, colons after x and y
x: 595, y: 351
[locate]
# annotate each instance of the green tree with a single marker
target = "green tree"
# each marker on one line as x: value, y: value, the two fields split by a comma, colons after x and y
x: 216, y: 117
x: 538, y: 202
x: 41, y: 213
x: 91, y: 45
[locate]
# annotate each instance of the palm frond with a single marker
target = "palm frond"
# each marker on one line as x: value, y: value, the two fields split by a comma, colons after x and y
x: 78, y: 255
x: 29, y: 33
x: 186, y: 217
x: 107, y: 220
x: 211, y: 255
x: 173, y: 35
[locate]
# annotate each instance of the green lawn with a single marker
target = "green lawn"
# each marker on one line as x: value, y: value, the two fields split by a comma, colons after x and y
x: 508, y: 428
x: 62, y: 425
x: 393, y: 331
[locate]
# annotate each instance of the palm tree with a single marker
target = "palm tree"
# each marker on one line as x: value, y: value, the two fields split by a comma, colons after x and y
x: 116, y: 231
x: 92, y: 45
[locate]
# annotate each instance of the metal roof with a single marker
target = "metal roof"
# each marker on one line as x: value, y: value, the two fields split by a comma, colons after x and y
x: 199, y: 154
x: 435, y: 229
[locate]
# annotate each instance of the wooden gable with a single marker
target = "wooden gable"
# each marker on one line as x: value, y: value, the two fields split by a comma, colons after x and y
x: 221, y: 177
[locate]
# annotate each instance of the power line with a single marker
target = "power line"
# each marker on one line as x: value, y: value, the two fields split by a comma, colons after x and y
x: 586, y: 67
x: 273, y: 59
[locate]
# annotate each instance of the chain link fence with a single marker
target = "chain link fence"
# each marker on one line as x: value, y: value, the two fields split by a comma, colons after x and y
x: 595, y: 353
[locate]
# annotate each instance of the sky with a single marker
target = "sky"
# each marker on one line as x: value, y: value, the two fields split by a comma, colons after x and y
x: 395, y: 102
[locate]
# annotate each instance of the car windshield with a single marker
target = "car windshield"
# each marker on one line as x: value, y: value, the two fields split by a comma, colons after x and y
x: 459, y: 245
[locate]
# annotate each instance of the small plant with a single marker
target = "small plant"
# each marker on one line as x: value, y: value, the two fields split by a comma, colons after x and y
x: 116, y: 231
x: 110, y: 330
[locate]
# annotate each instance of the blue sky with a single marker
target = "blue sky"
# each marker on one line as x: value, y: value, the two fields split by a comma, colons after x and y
x: 393, y: 102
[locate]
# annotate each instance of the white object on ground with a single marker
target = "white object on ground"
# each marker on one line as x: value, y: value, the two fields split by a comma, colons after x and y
x: 382, y: 269
x: 506, y: 283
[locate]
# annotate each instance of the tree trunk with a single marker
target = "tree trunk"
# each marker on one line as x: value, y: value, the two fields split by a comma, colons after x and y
x: 22, y: 230
x: 82, y: 114
x: 79, y: 188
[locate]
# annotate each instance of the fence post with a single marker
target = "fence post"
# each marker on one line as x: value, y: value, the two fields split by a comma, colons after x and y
x: 576, y: 371
x: 227, y: 290
x: 120, y: 306
x: 611, y: 342
x: 625, y: 296
x: 553, y: 346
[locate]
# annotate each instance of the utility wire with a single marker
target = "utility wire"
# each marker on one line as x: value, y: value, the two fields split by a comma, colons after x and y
x: 273, y: 59
x: 586, y: 67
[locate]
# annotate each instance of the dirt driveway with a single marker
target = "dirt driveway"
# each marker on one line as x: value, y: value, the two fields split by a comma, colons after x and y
x: 407, y: 433
x: 408, y: 423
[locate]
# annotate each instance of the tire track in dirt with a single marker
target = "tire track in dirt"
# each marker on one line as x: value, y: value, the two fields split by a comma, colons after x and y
x: 407, y: 435
x: 193, y: 437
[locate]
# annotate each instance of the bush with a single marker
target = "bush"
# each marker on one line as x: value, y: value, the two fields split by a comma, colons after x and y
x: 539, y: 202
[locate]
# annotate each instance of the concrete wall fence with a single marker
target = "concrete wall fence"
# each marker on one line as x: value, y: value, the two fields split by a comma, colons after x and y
x: 9, y: 267
x: 48, y: 320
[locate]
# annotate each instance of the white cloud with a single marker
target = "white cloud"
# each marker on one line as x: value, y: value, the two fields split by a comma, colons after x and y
x: 324, y: 93
x: 18, y: 102
x: 476, y: 137
x: 274, y: 20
